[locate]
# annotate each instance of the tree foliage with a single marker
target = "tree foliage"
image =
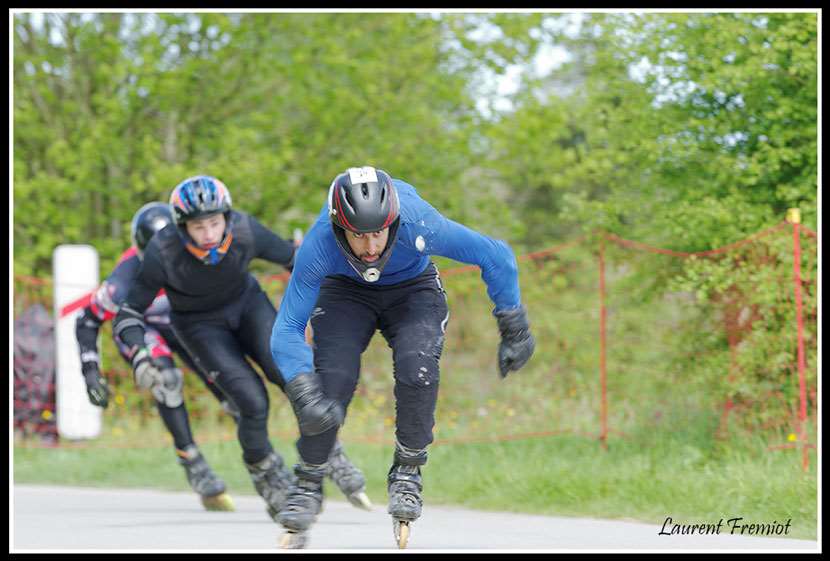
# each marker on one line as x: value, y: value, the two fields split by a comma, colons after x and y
x: 688, y: 131
x: 693, y: 130
x: 684, y: 130
x: 113, y: 110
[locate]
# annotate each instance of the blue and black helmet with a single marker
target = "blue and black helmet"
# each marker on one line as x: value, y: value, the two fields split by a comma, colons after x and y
x: 199, y: 196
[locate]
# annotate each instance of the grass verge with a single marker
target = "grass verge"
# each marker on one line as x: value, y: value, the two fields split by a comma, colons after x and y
x: 646, y: 477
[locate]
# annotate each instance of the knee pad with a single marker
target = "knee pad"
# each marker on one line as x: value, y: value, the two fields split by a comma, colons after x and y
x: 168, y: 389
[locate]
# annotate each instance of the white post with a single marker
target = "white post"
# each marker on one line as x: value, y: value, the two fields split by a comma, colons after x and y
x: 75, y: 274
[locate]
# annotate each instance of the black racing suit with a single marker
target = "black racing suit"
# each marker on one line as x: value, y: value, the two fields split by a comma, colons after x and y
x: 159, y: 338
x: 220, y: 315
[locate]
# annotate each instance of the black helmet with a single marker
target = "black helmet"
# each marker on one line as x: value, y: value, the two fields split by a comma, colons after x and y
x: 364, y: 200
x: 149, y: 219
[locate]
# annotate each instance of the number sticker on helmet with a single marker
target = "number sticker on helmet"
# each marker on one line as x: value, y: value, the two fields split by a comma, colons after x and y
x: 366, y: 174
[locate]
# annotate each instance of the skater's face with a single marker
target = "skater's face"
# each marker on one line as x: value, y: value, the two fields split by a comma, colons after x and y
x: 368, y: 247
x: 207, y: 232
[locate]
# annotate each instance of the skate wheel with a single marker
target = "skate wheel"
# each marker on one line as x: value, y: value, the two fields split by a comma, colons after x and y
x: 401, y: 529
x: 293, y: 540
x: 360, y: 500
x: 220, y: 502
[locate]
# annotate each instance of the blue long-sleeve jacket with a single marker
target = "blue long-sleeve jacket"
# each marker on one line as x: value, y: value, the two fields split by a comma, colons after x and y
x: 423, y: 232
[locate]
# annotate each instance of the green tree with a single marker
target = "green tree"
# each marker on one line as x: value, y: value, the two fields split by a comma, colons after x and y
x: 112, y: 110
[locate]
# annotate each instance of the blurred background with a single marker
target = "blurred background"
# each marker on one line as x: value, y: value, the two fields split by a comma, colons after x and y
x: 664, y: 382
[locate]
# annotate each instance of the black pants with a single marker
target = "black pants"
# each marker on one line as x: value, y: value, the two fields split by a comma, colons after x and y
x: 179, y: 350
x: 218, y: 342
x: 161, y: 338
x: 412, y: 316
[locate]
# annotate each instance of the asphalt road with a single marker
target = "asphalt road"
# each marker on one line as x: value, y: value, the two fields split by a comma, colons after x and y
x: 70, y: 518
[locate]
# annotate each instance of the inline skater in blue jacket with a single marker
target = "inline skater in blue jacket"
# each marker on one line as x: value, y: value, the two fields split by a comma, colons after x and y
x: 365, y: 265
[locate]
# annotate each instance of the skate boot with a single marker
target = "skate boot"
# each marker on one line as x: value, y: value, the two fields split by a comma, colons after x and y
x: 210, y: 488
x: 272, y: 481
x: 303, y: 505
x: 404, y: 486
x: 348, y: 478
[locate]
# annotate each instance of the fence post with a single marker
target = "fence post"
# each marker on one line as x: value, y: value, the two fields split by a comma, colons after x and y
x: 603, y: 436
x: 730, y: 324
x: 794, y: 217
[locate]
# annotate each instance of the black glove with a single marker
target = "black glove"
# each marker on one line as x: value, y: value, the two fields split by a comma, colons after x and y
x: 96, y: 385
x: 517, y: 344
x: 315, y: 413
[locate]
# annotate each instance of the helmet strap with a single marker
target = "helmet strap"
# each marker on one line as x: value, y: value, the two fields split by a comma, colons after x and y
x: 210, y: 256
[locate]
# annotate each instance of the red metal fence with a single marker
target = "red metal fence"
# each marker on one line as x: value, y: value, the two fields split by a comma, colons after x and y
x: 29, y: 290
